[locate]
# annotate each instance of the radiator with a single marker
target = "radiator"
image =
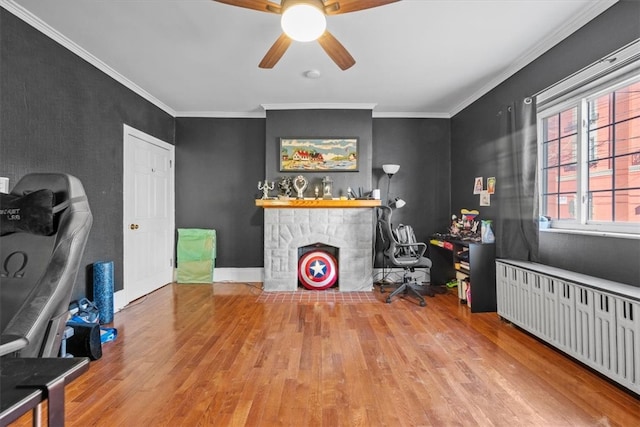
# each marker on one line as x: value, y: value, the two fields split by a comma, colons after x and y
x: 596, y: 321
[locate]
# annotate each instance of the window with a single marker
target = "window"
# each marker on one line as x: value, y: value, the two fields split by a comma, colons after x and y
x: 589, y: 155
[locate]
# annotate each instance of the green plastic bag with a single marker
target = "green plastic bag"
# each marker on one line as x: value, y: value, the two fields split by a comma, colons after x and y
x: 196, y: 253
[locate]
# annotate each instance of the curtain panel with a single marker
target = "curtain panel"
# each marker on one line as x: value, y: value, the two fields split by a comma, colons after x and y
x: 517, y: 225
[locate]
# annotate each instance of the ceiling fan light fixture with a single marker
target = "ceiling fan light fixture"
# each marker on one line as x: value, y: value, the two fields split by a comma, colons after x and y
x: 303, y: 22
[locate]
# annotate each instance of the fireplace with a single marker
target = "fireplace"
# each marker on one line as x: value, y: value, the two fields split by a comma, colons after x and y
x: 293, y: 224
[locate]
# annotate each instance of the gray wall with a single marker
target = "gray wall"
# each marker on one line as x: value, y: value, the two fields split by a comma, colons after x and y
x: 220, y: 161
x: 421, y: 148
x: 475, y: 134
x: 60, y: 114
x: 320, y: 124
x: 218, y: 165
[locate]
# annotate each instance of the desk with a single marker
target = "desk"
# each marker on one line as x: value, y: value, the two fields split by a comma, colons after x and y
x: 478, y: 266
x: 26, y: 382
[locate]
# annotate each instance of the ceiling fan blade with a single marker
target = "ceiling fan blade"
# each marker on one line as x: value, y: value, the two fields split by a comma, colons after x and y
x: 261, y: 5
x: 275, y: 52
x: 336, y: 51
x: 336, y: 7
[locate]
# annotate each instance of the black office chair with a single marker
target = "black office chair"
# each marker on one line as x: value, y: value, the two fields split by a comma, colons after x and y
x: 44, y: 226
x: 408, y: 256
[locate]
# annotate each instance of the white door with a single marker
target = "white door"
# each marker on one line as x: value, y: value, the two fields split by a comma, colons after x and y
x: 148, y: 213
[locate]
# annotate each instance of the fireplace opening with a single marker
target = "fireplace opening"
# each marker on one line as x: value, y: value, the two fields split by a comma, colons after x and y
x: 318, y: 266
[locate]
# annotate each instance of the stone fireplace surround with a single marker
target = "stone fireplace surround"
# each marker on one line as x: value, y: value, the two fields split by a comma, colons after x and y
x: 287, y: 228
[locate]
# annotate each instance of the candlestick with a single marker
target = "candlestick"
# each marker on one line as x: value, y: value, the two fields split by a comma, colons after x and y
x: 266, y: 187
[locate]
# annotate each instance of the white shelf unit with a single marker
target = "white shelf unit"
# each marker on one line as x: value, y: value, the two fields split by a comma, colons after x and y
x: 596, y: 321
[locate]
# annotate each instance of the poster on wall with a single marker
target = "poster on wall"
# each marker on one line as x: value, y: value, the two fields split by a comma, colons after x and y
x: 485, y: 198
x: 319, y: 154
x: 491, y: 185
x: 478, y: 185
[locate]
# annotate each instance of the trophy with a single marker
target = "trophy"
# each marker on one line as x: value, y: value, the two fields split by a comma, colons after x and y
x: 300, y: 184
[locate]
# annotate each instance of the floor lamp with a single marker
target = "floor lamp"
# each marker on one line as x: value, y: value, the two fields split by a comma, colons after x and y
x: 390, y: 170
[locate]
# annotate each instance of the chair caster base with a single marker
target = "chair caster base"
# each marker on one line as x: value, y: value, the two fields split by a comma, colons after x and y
x: 423, y: 304
x: 388, y: 300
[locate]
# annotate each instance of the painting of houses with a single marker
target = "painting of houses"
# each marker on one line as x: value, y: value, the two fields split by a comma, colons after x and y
x: 318, y: 154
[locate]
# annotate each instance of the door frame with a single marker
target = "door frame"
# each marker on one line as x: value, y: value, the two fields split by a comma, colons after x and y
x: 121, y: 298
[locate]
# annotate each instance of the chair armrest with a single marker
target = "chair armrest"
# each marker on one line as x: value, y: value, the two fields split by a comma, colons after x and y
x: 421, y: 247
x: 11, y: 343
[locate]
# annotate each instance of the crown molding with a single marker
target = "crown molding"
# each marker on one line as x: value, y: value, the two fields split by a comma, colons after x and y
x: 262, y: 114
x: 223, y: 114
x: 319, y: 106
x: 594, y: 9
x: 410, y: 115
x: 23, y: 14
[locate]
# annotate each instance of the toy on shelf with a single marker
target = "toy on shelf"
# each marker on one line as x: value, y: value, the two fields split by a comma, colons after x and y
x: 465, y: 227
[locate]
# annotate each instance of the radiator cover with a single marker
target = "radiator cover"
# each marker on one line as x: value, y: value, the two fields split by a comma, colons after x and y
x: 596, y: 321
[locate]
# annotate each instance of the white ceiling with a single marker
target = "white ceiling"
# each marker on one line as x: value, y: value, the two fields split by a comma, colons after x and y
x: 414, y: 58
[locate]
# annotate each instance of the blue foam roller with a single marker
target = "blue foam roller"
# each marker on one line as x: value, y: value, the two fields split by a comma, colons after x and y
x: 103, y: 290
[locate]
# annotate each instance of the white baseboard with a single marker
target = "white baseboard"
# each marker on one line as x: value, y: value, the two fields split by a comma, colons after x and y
x: 232, y: 274
x: 256, y: 274
x: 119, y: 300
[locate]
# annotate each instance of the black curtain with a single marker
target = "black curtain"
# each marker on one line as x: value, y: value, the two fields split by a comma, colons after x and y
x: 517, y: 226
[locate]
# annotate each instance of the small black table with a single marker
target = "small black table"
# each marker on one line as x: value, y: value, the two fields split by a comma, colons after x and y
x: 26, y: 382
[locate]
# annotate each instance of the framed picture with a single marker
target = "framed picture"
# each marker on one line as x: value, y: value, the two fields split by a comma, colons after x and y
x: 485, y: 198
x: 491, y: 185
x: 478, y: 185
x: 319, y: 154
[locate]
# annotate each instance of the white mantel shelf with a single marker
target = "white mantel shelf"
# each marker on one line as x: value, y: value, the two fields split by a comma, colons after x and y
x: 316, y: 203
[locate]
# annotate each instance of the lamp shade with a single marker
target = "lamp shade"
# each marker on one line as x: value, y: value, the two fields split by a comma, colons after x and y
x: 303, y: 22
x: 390, y: 169
x: 398, y: 203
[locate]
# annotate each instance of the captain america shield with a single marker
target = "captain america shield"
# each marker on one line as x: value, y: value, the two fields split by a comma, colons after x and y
x: 317, y: 270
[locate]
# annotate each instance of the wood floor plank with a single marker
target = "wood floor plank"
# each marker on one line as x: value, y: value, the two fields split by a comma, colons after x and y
x: 219, y: 355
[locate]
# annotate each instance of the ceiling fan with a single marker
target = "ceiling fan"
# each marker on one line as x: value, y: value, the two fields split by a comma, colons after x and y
x: 305, y: 20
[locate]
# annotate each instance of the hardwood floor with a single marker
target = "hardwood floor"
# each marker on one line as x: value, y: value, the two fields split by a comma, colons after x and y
x: 200, y: 355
